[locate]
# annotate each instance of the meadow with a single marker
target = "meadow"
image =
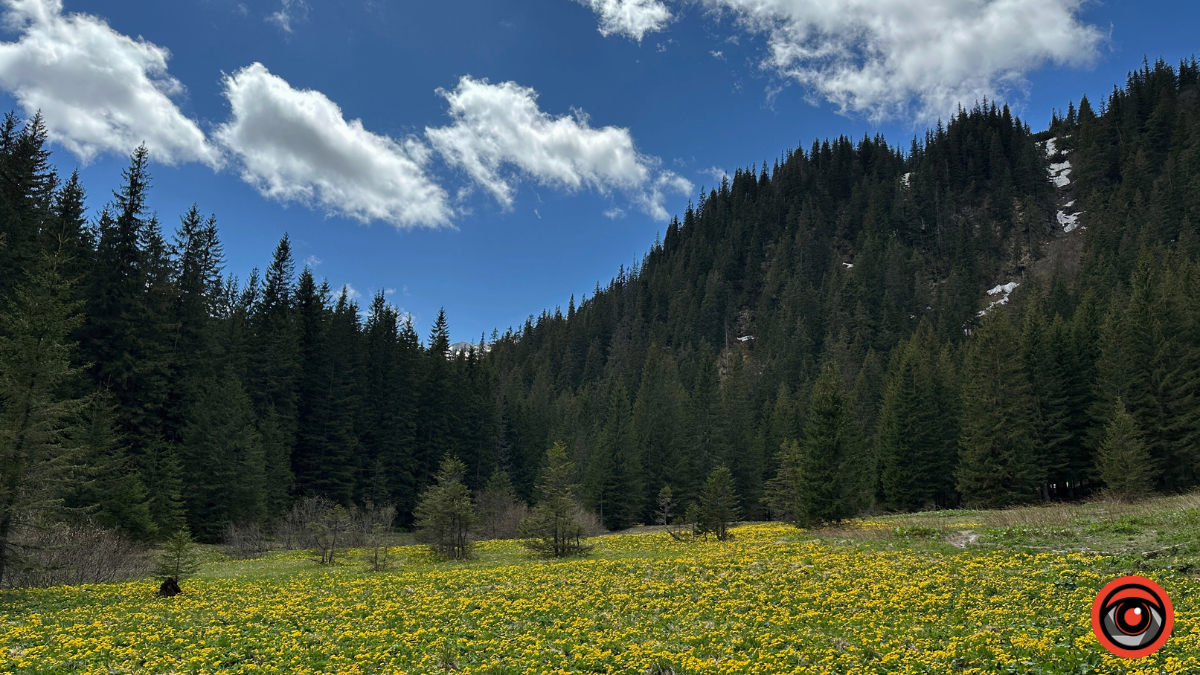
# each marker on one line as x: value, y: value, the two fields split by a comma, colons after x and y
x: 946, y: 592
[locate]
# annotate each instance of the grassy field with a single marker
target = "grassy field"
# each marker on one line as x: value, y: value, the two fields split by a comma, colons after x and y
x: 947, y: 592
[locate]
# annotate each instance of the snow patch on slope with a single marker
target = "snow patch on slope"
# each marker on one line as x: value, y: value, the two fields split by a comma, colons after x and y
x: 1069, y: 221
x: 1058, y: 173
x: 1003, y: 290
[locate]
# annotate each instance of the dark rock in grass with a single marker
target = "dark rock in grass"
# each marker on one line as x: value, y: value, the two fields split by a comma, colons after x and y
x: 170, y: 588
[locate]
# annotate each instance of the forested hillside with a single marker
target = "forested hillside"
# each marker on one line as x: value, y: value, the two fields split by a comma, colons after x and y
x: 987, y: 317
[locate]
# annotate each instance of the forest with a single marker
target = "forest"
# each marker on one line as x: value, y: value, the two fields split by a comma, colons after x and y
x: 993, y: 316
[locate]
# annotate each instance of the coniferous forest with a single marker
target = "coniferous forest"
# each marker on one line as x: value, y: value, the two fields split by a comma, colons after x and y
x: 990, y: 316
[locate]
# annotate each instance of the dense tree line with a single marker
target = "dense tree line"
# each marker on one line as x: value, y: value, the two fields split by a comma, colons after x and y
x: 165, y: 394
x: 823, y: 326
x: 820, y: 330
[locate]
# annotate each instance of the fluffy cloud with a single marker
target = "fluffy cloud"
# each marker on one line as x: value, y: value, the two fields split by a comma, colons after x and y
x: 495, y: 125
x: 98, y: 90
x: 295, y: 145
x: 922, y: 57
x: 631, y: 18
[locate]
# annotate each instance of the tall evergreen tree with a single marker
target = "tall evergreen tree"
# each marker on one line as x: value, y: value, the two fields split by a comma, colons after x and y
x: 614, y: 477
x: 27, y: 189
x: 325, y: 454
x: 997, y: 465
x: 1049, y: 395
x: 273, y: 366
x: 736, y: 420
x: 196, y: 260
x: 657, y: 423
x: 784, y: 493
x: 1123, y: 462
x: 36, y: 456
x: 223, y: 459
x: 833, y: 475
x: 437, y: 420
x: 110, y: 489
x: 703, y: 439
x: 917, y: 433
x: 127, y: 336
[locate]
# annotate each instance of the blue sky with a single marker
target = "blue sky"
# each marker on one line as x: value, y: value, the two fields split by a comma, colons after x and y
x: 494, y: 157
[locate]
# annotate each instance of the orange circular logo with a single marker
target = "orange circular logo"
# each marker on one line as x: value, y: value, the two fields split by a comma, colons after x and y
x: 1132, y: 617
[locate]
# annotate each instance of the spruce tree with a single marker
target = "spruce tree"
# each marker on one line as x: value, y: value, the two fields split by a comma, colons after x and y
x: 497, y: 508
x: 223, y: 458
x: 127, y: 335
x: 738, y: 451
x: 344, y: 372
x: 997, y: 465
x: 111, y: 490
x: 702, y: 431
x: 402, y: 465
x: 784, y: 424
x: 664, y: 507
x: 907, y: 427
x: 657, y: 420
x: 551, y: 529
x: 196, y: 258
x: 27, y: 190
x: 273, y: 367
x: 37, y: 457
x: 444, y: 515
x: 179, y: 557
x: 718, y: 504
x: 387, y: 409
x: 67, y: 233
x: 784, y: 493
x: 1049, y: 395
x: 614, y: 477
x: 1078, y: 350
x: 436, y: 422
x: 833, y: 471
x: 1124, y: 464
x: 326, y: 447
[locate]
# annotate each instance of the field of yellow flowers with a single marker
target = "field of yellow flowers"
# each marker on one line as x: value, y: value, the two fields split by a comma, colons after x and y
x: 773, y: 600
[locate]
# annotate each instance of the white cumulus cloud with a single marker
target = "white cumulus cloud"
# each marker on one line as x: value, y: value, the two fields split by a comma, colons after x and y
x: 99, y: 91
x: 918, y: 58
x: 500, y: 126
x: 295, y: 145
x: 631, y: 18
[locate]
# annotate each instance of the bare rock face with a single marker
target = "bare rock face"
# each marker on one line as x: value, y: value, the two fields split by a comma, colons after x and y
x: 170, y: 588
